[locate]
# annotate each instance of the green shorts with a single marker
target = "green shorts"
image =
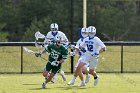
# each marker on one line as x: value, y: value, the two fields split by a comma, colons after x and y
x: 53, y: 69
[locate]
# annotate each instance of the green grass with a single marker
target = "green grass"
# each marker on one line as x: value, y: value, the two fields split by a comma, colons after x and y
x: 10, y: 61
x: 31, y: 83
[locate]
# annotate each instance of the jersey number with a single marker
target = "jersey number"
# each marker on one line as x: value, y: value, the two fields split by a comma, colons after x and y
x: 90, y: 47
x: 54, y: 55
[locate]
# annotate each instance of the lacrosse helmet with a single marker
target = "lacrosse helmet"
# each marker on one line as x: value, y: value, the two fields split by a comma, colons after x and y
x: 91, y: 31
x: 84, y: 32
x: 54, y: 27
x: 58, y: 40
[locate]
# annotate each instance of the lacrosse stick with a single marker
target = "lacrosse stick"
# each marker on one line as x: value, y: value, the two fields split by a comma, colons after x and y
x: 31, y: 52
x: 28, y: 50
x: 39, y: 35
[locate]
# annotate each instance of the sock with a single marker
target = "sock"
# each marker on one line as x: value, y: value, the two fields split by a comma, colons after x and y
x: 88, y: 74
x: 95, y: 77
x: 74, y: 77
x: 83, y: 81
x: 46, y: 78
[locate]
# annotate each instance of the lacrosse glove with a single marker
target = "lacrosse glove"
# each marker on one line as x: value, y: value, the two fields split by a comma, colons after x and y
x: 38, y: 54
x: 71, y: 53
x: 95, y: 55
x: 55, y: 63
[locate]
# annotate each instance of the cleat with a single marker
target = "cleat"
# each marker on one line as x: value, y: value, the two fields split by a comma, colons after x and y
x: 87, y: 78
x: 82, y: 84
x: 71, y: 82
x: 43, y: 85
x: 96, y: 80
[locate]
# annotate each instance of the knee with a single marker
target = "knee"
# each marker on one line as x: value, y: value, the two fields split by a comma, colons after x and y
x: 45, y: 74
x: 92, y: 71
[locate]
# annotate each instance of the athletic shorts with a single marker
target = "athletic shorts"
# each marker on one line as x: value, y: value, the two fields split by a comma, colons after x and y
x: 53, y: 69
x: 93, y: 61
x: 79, y: 60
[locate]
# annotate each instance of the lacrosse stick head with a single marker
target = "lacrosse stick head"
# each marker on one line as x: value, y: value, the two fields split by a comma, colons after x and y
x: 39, y: 35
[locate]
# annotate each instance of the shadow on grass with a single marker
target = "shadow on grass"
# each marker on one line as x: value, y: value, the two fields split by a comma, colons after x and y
x: 72, y: 87
x: 30, y: 84
x: 39, y: 88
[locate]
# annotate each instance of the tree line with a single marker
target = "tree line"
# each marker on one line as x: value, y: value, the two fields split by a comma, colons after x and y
x: 116, y: 20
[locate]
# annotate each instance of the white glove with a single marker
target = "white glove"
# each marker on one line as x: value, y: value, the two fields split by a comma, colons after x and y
x: 71, y: 53
x: 94, y: 54
x: 72, y: 47
x: 54, y: 63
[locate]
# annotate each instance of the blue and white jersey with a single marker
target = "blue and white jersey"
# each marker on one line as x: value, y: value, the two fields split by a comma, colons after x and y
x: 93, y: 44
x: 81, y: 50
x: 51, y: 36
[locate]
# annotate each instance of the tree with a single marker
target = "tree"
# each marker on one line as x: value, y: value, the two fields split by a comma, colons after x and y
x: 41, y: 25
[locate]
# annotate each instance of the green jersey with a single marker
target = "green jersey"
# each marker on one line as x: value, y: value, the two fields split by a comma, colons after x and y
x: 56, y: 53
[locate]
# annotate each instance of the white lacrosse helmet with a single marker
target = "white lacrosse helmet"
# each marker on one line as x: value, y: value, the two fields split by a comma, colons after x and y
x: 58, y: 40
x: 54, y: 27
x: 84, y: 32
x: 91, y: 31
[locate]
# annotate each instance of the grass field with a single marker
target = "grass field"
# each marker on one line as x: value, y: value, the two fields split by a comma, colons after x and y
x: 31, y: 83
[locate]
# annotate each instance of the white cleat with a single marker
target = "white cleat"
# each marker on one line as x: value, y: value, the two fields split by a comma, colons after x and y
x: 87, y: 78
x: 71, y: 82
x: 43, y: 85
x: 96, y: 80
x: 82, y: 84
x: 63, y: 75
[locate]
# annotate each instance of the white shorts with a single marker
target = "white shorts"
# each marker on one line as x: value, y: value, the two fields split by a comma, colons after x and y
x: 87, y: 58
x: 80, y: 60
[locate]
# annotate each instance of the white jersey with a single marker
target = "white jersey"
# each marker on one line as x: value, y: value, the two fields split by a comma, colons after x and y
x: 83, y: 50
x: 51, y: 36
x: 93, y: 44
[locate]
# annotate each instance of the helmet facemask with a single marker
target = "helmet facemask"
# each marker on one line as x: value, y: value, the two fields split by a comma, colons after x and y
x: 84, y: 32
x: 91, y: 31
x: 58, y: 41
x: 54, y: 27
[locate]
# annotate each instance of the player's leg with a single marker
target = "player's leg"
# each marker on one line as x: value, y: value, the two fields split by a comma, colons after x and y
x: 85, y: 71
x: 46, y: 73
x: 92, y: 67
x: 62, y: 74
x: 53, y: 79
x: 80, y: 74
x: 72, y: 81
x: 96, y: 77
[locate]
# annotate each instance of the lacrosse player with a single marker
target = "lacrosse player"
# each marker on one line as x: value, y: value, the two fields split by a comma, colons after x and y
x: 49, y: 39
x: 57, y: 55
x: 81, y: 52
x: 94, y: 47
x: 54, y: 33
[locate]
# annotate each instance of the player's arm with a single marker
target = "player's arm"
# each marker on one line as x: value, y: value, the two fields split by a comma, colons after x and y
x: 77, y: 47
x: 83, y: 44
x: 47, y: 49
x: 65, y: 39
x: 64, y: 56
x: 102, y: 50
x: 102, y: 45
